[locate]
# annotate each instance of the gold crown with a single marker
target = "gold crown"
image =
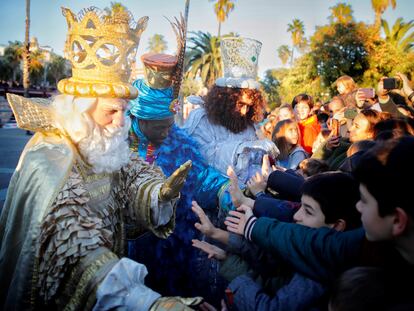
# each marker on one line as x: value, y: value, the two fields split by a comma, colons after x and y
x: 101, y: 48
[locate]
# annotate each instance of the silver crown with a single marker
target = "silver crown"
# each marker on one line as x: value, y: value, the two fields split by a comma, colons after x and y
x: 240, y: 57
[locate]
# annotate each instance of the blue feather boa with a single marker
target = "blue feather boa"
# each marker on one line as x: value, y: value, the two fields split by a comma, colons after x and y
x: 177, y: 263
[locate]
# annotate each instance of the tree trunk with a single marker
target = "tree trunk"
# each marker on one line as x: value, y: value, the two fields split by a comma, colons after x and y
x: 377, y: 23
x: 291, y: 56
x: 26, y: 59
x: 219, y: 30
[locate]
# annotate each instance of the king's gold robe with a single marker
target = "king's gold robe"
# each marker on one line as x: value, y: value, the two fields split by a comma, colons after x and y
x: 63, y: 227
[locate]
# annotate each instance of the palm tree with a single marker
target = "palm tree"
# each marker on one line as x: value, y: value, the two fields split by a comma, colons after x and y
x: 118, y: 9
x: 297, y: 29
x: 157, y: 44
x: 36, y: 68
x: 26, y: 59
x: 399, y: 35
x: 13, y: 55
x: 341, y: 13
x: 204, y: 58
x: 379, y: 7
x: 58, y: 69
x: 222, y: 8
x: 284, y: 53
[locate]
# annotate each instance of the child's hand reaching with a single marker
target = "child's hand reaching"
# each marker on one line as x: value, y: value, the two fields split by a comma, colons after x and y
x: 204, y: 226
x: 210, y: 249
x: 257, y: 184
x: 267, y: 169
x: 237, y: 196
x: 237, y: 220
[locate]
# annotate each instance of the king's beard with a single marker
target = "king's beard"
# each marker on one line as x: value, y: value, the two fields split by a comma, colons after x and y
x: 106, y: 149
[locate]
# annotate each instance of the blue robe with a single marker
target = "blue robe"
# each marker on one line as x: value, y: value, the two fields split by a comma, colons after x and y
x: 175, y: 267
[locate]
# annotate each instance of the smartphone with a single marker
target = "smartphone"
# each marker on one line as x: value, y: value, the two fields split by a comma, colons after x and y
x: 334, y: 127
x: 368, y: 92
x: 390, y: 83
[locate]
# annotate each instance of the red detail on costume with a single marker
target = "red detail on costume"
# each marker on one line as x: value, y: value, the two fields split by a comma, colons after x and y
x: 150, y: 158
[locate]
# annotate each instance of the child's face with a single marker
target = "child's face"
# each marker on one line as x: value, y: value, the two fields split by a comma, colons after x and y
x: 377, y: 228
x: 310, y: 213
x: 341, y: 88
x: 302, y: 110
x: 291, y: 134
x: 285, y: 113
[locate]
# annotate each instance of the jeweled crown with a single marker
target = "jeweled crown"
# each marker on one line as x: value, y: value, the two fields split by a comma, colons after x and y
x: 101, y: 47
x: 240, y: 58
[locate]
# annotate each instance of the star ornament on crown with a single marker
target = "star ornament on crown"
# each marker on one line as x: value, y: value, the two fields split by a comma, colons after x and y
x: 240, y: 58
x: 101, y: 48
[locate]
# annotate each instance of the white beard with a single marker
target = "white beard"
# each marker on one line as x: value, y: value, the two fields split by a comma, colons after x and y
x: 106, y: 149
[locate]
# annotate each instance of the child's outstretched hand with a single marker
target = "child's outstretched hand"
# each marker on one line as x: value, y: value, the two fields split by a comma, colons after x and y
x: 211, y: 250
x: 204, y: 226
x: 257, y: 184
x: 237, y: 220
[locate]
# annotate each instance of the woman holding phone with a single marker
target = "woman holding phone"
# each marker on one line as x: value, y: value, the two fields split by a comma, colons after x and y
x: 333, y: 151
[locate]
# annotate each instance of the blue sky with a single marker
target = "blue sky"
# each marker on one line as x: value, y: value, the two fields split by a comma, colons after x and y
x: 263, y: 20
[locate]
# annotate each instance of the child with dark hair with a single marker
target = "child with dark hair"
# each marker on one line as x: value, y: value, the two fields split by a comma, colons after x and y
x: 387, y: 214
x: 308, y: 123
x: 286, y: 136
x: 367, y: 288
x: 328, y: 200
x: 310, y: 167
x: 354, y: 154
x: 359, y: 289
x: 393, y: 128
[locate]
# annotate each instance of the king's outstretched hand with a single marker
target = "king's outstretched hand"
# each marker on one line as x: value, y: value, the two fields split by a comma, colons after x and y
x: 172, y: 186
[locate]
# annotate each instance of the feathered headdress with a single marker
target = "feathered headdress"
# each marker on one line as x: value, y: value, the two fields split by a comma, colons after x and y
x: 159, y: 91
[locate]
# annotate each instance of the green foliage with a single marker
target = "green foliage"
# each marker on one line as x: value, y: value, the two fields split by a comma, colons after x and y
x: 157, y: 44
x: 338, y: 50
x: 341, y: 47
x: 222, y: 8
x: 5, y: 70
x: 58, y: 69
x: 341, y: 13
x: 284, y: 53
x: 379, y: 7
x: 385, y: 60
x: 40, y: 70
x: 297, y: 30
x: 117, y: 8
x: 270, y: 85
x: 13, y: 55
x: 399, y: 35
x: 203, y: 57
x: 190, y: 86
x: 301, y: 78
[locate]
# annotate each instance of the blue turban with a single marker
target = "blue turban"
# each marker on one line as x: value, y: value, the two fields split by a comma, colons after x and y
x: 151, y: 104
